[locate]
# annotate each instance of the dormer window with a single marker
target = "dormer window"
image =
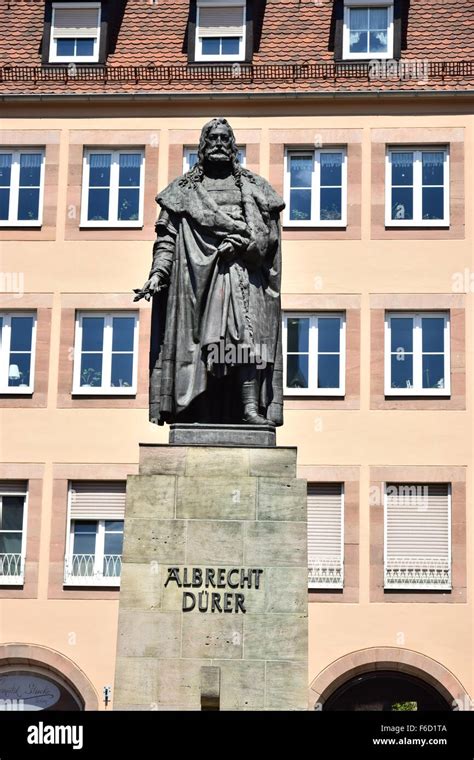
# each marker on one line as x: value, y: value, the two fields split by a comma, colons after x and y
x: 75, y: 33
x: 368, y: 30
x: 220, y: 30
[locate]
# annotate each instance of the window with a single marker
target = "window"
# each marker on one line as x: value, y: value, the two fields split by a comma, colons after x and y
x: 13, y: 497
x: 190, y: 157
x: 326, y: 535
x: 112, y: 192
x: 417, y: 356
x: 95, y: 534
x: 316, y: 188
x: 105, y: 358
x: 314, y: 354
x: 21, y: 187
x: 220, y: 30
x: 417, y: 536
x: 75, y: 33
x: 417, y: 187
x: 17, y: 352
x: 368, y: 29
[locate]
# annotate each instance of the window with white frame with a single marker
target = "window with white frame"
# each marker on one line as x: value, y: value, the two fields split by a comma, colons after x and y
x: 220, y: 30
x: 17, y: 352
x: 368, y: 29
x: 13, y: 515
x: 316, y: 188
x: 190, y: 157
x: 325, y: 535
x: 417, y: 536
x: 105, y: 354
x: 112, y: 188
x: 75, y: 33
x: 94, y: 543
x: 417, y: 187
x: 314, y: 354
x: 417, y: 354
x: 21, y: 187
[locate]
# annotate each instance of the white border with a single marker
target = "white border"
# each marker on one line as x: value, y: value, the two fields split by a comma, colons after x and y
x: 94, y: 58
x: 417, y: 220
x: 108, y: 316
x: 346, y: 54
x: 16, y: 390
x: 417, y: 390
x: 315, y: 586
x: 312, y: 390
x: 19, y: 580
x: 240, y: 56
x: 113, y: 220
x: 315, y: 220
x: 13, y: 220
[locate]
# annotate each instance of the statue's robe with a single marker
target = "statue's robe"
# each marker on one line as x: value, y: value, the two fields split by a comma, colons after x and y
x: 210, y: 302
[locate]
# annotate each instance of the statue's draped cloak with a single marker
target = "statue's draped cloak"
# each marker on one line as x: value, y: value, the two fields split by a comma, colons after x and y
x: 211, y: 302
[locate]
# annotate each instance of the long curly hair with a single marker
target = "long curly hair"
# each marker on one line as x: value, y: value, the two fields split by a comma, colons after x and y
x: 196, y: 174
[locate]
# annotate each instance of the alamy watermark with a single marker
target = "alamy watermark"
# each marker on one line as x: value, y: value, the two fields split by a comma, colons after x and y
x: 237, y: 354
x: 412, y: 69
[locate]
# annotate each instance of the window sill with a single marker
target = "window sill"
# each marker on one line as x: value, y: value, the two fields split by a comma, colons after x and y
x: 217, y: 61
x: 416, y: 226
x: 111, y: 226
x: 416, y: 395
x: 418, y: 589
x: 108, y: 392
x: 314, y: 225
x: 16, y: 392
x: 289, y: 394
x: 12, y: 580
x: 20, y: 225
x: 91, y: 583
x: 72, y: 61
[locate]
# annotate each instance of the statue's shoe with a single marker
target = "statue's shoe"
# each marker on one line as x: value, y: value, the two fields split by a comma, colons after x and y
x: 251, y: 417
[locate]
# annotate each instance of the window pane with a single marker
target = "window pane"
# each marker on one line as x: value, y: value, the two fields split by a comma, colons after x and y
x: 12, y: 512
x: 433, y: 371
x: 329, y: 333
x: 401, y: 330
x: 91, y: 370
x: 123, y: 332
x: 19, y: 370
x: 433, y: 168
x: 230, y: 45
x: 85, y: 46
x: 4, y: 203
x: 402, y: 168
x: 378, y: 42
x: 92, y: 333
x: 359, y: 42
x: 30, y: 169
x: 300, y: 205
x: 98, y: 209
x: 433, y: 203
x: 122, y: 370
x: 402, y: 371
x: 378, y: 19
x: 10, y: 543
x: 328, y: 371
x: 331, y: 203
x: 129, y: 171
x: 433, y: 334
x: 402, y: 203
x: 192, y: 159
x: 359, y: 18
x: 297, y: 371
x: 5, y: 169
x: 28, y: 204
x: 211, y: 45
x: 65, y: 47
x: 331, y: 169
x: 113, y: 543
x: 99, y: 169
x: 114, y: 525
x: 22, y: 330
x: 84, y: 543
x: 128, y: 204
x: 298, y: 334
x: 301, y: 171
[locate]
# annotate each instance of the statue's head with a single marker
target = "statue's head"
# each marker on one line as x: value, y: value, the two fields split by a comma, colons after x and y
x: 217, y: 143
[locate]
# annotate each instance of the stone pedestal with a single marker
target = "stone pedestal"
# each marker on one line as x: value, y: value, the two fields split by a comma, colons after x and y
x: 213, y: 599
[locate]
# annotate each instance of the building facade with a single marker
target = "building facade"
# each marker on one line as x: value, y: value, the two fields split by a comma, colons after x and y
x: 359, y: 112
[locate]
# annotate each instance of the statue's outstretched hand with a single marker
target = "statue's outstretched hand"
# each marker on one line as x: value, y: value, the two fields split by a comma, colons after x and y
x: 151, y: 286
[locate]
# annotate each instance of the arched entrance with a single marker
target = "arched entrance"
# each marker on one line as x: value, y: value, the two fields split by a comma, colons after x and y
x: 39, y: 678
x: 387, y: 679
x: 386, y: 691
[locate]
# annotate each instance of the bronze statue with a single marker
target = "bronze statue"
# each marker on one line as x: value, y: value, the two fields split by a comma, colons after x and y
x: 215, y: 281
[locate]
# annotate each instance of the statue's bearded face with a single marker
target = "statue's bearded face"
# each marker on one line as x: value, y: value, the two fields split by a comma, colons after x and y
x: 218, y: 144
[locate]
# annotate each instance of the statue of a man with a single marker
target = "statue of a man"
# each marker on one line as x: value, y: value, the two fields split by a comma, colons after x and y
x: 215, y: 280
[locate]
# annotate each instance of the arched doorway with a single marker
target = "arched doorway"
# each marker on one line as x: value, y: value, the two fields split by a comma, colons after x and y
x: 386, y: 691
x: 39, y: 678
x: 388, y: 679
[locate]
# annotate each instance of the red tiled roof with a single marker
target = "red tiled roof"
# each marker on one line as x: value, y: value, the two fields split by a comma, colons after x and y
x: 293, y: 32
